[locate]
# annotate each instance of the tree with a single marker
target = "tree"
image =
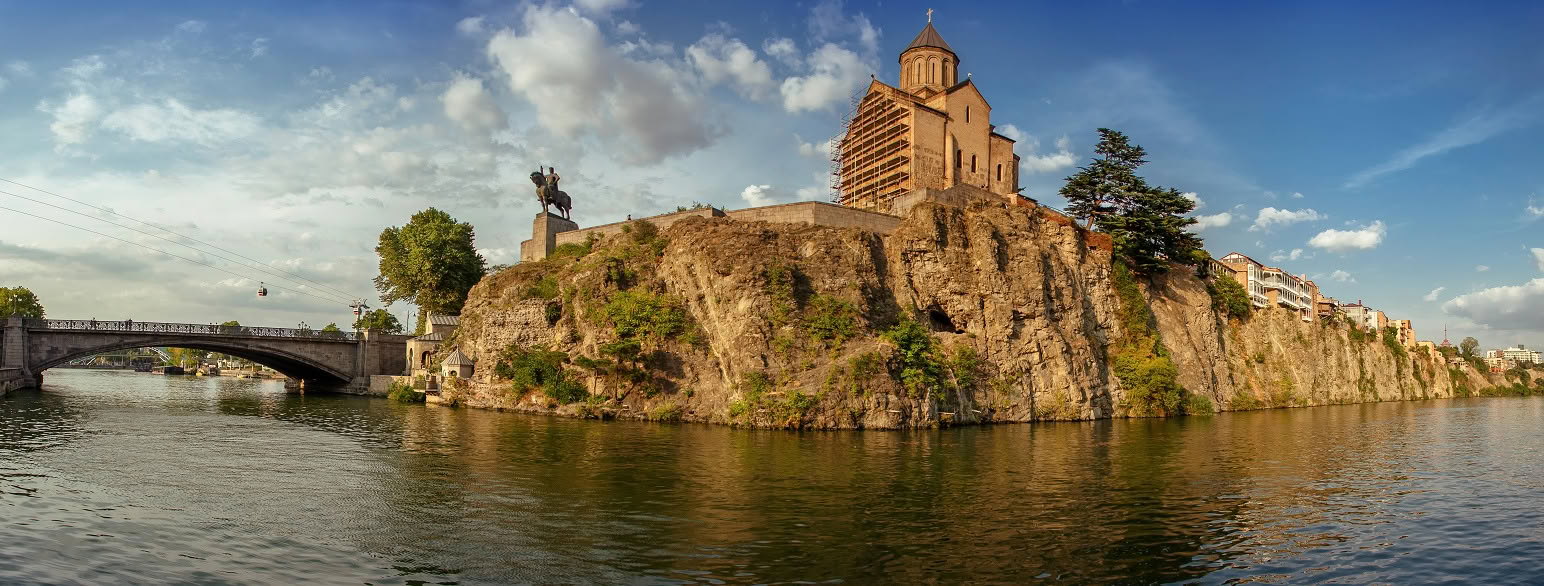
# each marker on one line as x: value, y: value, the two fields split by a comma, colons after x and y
x: 331, y: 328
x: 379, y: 320
x: 19, y: 302
x: 431, y: 262
x: 1468, y: 346
x: 1147, y: 223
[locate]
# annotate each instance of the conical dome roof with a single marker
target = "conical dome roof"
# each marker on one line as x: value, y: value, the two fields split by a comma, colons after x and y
x: 929, y: 37
x: 456, y: 358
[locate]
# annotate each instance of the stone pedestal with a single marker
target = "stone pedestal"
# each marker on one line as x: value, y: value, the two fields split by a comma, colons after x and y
x: 544, y: 237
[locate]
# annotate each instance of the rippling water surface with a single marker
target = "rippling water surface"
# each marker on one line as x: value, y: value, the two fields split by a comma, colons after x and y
x: 123, y: 477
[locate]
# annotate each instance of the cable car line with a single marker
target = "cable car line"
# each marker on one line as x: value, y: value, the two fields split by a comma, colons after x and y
x: 334, y: 290
x: 131, y: 228
x: 197, y: 262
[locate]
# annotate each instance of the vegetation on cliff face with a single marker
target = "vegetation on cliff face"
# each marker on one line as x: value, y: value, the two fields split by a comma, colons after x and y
x: 1140, y: 360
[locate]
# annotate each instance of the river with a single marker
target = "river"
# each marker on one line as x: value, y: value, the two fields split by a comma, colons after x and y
x: 113, y: 477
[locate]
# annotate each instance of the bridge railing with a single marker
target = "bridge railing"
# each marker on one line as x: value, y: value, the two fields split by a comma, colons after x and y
x: 150, y: 327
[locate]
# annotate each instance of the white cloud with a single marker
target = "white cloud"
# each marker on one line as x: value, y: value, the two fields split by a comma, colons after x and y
x: 1212, y: 221
x: 1534, y: 212
x: 192, y: 26
x: 628, y: 28
x: 808, y: 149
x: 259, y: 47
x: 1278, y: 256
x: 1364, y: 238
x: 1030, y: 158
x: 469, y: 105
x: 1481, y: 268
x: 173, y: 121
x: 1269, y: 217
x: 834, y: 74
x: 720, y: 59
x: 580, y: 85
x: 1472, y: 130
x: 1297, y: 195
x: 72, y: 119
x: 1297, y: 253
x: 19, y: 68
x: 1342, y: 276
x: 784, y: 50
x: 1194, y: 198
x: 1514, y: 307
x: 1434, y: 293
x: 758, y: 195
x: 1538, y: 257
x: 828, y: 22
x: 1282, y: 255
x: 601, y: 7
x: 471, y: 26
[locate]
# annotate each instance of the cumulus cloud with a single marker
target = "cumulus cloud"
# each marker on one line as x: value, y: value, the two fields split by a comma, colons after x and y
x: 1513, y: 307
x: 1434, y: 293
x: 1533, y: 212
x: 73, y: 119
x: 1031, y: 159
x: 172, y: 121
x: 828, y: 21
x: 1538, y: 257
x: 562, y: 65
x: 720, y: 59
x: 1270, y: 217
x: 784, y: 50
x: 1282, y: 255
x: 468, y: 104
x: 1297, y: 195
x: 1213, y: 221
x: 808, y: 149
x: 1364, y: 238
x: 259, y: 47
x: 471, y: 26
x: 758, y: 195
x: 1481, y: 268
x: 1194, y: 198
x: 1342, y: 276
x: 832, y: 75
x: 628, y: 27
x: 601, y: 7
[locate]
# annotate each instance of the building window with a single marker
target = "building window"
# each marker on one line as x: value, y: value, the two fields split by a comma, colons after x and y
x: 972, y: 163
x: 967, y: 114
x: 999, y: 172
x: 956, y: 158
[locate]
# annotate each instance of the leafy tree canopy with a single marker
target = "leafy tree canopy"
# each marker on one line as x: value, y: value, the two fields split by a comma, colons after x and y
x: 431, y: 262
x: 232, y: 324
x: 19, y: 302
x: 331, y: 328
x: 1468, y: 346
x: 379, y: 320
x: 1147, y: 223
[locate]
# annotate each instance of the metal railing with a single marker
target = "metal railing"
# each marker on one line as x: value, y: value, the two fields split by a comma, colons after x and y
x: 92, y: 325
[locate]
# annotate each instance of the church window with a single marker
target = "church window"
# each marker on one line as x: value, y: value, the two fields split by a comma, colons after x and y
x: 973, y: 163
x: 957, y: 156
x: 999, y: 172
x: 967, y: 114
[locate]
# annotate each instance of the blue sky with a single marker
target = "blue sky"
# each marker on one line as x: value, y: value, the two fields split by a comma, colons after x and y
x: 1388, y: 150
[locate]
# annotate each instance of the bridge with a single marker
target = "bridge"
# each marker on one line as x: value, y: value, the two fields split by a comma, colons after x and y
x: 333, y: 361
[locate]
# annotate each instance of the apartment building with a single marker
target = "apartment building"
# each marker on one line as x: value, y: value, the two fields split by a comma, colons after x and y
x: 1521, y: 354
x: 1248, y: 273
x: 1405, y: 330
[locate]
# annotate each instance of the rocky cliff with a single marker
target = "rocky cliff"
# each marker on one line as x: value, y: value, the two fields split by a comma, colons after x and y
x: 974, y: 314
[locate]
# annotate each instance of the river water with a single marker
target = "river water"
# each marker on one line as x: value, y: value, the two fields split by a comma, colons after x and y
x: 115, y: 477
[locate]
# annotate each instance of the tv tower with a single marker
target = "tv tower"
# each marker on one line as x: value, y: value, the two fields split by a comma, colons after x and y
x: 1445, y: 342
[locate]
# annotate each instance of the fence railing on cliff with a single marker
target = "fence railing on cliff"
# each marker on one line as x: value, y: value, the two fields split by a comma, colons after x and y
x: 92, y: 325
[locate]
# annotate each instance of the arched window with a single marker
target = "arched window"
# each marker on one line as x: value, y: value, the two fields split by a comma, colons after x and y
x: 967, y: 114
x: 999, y: 171
x: 932, y: 70
x: 973, y: 163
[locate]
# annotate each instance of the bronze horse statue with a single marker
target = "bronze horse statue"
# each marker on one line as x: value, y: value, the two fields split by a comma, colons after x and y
x: 550, y: 195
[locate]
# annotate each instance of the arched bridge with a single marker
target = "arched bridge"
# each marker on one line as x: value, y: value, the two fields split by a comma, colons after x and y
x: 330, y: 360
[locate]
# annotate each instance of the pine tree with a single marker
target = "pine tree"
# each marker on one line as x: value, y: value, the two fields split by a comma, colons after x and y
x: 1147, y: 223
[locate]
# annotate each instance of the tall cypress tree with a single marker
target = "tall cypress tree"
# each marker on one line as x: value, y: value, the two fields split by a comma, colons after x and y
x: 1109, y: 183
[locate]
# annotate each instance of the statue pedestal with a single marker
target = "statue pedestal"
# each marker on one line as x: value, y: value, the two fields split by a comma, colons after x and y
x: 544, y: 236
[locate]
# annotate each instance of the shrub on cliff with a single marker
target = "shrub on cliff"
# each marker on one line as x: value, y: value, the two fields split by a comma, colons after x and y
x: 916, y: 357
x: 404, y: 393
x: 645, y: 317
x: 1140, y: 360
x: 538, y: 368
x: 1229, y: 297
x: 832, y: 320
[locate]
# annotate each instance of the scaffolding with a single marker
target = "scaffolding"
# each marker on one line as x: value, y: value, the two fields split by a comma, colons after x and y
x: 835, y: 146
x: 871, y: 159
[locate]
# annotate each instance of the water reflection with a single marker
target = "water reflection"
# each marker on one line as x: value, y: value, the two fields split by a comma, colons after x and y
x: 245, y: 478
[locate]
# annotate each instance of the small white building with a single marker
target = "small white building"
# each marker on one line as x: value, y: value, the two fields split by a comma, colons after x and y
x: 457, y: 365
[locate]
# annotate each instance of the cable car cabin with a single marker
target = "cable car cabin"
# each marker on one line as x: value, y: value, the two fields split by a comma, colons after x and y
x: 356, y: 311
x: 261, y: 290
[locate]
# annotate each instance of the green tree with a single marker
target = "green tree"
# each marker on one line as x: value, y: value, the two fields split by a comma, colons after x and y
x: 1468, y: 346
x: 379, y: 320
x: 431, y: 262
x: 19, y: 302
x: 331, y: 328
x: 1147, y: 223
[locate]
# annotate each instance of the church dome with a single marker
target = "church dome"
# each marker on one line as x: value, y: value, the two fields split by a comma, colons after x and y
x: 928, y: 64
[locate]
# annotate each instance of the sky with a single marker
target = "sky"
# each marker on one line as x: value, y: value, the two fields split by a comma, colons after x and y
x: 1391, y: 151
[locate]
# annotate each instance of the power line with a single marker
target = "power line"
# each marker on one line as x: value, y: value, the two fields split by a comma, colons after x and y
x: 345, y: 294
x: 131, y: 228
x: 197, y: 262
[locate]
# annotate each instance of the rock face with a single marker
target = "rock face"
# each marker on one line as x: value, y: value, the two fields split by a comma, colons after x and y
x: 1018, y: 300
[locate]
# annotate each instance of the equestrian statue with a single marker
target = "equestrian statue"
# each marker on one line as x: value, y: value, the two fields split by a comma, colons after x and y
x: 548, y: 194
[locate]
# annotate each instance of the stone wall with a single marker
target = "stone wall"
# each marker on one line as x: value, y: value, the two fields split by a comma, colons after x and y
x: 662, y: 221
x: 12, y: 379
x: 819, y: 214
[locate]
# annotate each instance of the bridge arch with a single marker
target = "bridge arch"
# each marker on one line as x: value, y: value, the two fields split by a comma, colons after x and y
x: 287, y: 363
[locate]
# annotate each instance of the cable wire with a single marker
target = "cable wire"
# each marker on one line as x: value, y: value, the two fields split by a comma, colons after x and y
x: 189, y: 247
x: 197, y: 262
x: 345, y: 294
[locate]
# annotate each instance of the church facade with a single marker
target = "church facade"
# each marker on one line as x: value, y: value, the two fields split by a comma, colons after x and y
x: 928, y: 131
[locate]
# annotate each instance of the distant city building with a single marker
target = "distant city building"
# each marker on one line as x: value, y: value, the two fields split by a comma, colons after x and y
x: 1271, y: 285
x: 1521, y: 354
x: 1247, y: 272
x: 1405, y: 329
x: 932, y: 131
